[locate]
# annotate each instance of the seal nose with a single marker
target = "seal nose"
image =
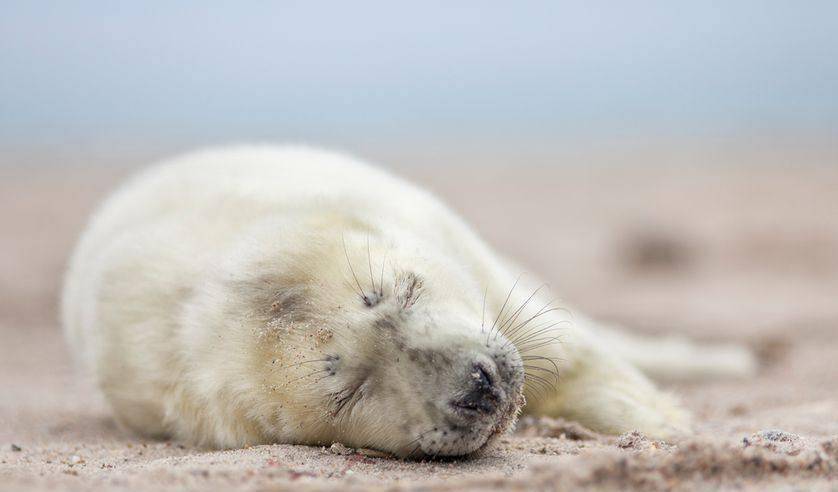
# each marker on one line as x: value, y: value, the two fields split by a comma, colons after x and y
x: 483, y: 395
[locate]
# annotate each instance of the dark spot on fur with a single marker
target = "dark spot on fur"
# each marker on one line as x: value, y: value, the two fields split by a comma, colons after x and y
x: 272, y: 296
x: 289, y: 303
x: 385, y: 323
x: 389, y: 326
x: 431, y: 358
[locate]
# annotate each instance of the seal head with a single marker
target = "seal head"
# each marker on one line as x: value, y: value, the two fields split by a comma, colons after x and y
x: 404, y: 362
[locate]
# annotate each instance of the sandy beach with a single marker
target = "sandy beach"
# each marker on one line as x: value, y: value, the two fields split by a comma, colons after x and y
x: 719, y: 253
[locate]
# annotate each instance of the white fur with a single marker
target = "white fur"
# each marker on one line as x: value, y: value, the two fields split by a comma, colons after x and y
x: 200, y: 284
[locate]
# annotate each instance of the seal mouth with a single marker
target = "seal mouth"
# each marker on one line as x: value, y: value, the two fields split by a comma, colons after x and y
x: 470, y: 410
x: 454, y: 440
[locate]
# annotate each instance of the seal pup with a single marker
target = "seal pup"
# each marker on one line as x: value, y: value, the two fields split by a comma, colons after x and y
x: 260, y: 294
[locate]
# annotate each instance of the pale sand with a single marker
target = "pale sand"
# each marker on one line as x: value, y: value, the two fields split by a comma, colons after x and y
x: 744, y: 254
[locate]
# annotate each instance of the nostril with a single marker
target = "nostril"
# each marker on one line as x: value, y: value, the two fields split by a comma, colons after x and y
x: 481, y: 397
x: 482, y: 376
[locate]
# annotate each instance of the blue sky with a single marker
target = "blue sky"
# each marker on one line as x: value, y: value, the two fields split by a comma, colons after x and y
x: 99, y: 71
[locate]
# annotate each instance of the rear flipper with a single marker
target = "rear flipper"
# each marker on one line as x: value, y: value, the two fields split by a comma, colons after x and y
x: 602, y: 384
x: 674, y: 358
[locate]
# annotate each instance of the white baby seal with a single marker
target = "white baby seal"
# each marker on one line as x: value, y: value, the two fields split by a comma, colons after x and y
x: 289, y: 295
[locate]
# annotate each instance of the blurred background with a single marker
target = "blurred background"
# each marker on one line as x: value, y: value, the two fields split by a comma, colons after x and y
x: 671, y: 166
x: 425, y: 83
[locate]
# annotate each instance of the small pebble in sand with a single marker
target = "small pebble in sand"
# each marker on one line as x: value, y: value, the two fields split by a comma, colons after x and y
x: 16, y: 448
x: 778, y: 435
x: 633, y: 440
x: 339, y: 449
x: 775, y: 440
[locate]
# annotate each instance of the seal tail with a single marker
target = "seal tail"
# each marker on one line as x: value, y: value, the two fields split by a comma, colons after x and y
x: 673, y: 358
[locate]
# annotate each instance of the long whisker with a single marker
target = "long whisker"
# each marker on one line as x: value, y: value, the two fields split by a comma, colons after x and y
x: 536, y: 378
x: 381, y: 279
x: 529, y: 333
x: 537, y: 331
x: 535, y: 387
x: 524, y: 323
x: 369, y: 264
x: 540, y: 343
x: 536, y: 316
x: 509, y: 321
x: 360, y: 289
x: 528, y: 343
x: 535, y: 340
x: 297, y: 364
x: 503, y: 307
x: 552, y: 360
x: 306, y: 376
x: 543, y: 369
x: 537, y: 392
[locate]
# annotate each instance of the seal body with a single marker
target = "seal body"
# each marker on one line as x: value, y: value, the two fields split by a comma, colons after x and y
x: 283, y: 294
